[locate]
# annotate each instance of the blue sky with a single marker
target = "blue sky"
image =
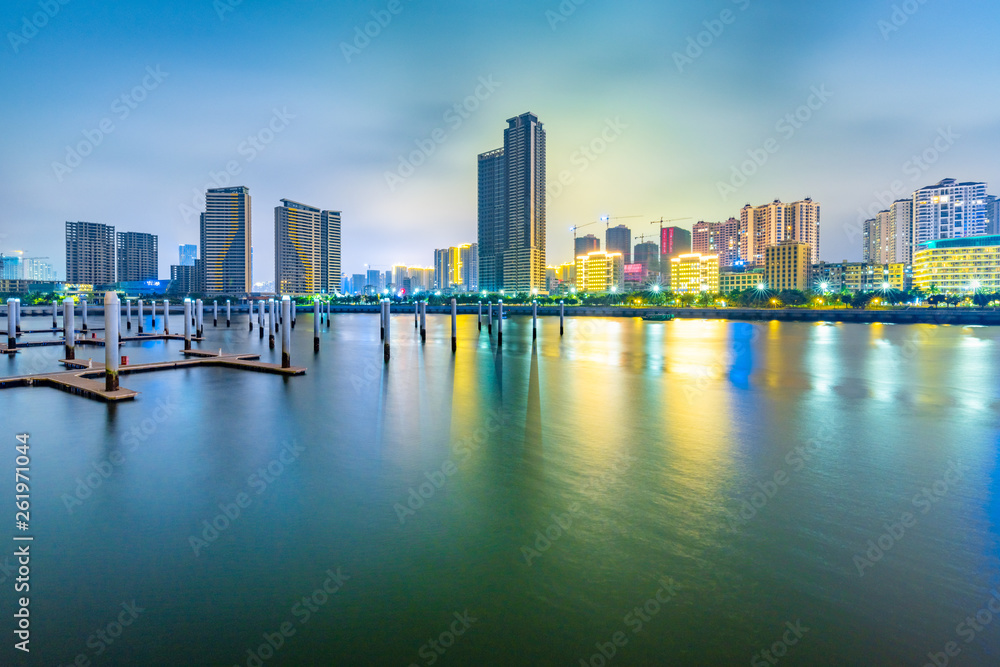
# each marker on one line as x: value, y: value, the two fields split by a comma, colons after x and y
x: 329, y: 127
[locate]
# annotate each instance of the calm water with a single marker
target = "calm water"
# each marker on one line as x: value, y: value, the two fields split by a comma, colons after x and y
x: 564, y: 483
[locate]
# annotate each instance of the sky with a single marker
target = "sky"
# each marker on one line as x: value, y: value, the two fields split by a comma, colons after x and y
x: 124, y: 113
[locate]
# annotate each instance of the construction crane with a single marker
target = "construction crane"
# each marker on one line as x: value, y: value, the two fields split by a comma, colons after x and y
x: 607, y: 219
x: 662, y: 222
x: 586, y: 224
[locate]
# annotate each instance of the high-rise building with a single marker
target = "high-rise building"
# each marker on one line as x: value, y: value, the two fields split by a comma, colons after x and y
x: 992, y: 215
x: 442, y: 269
x: 36, y: 268
x: 374, y: 281
x: 618, y: 239
x: 11, y: 267
x: 717, y: 238
x: 901, y: 224
x: 90, y: 253
x: 770, y: 224
x: 648, y: 254
x: 183, y: 279
x: 693, y: 273
x: 583, y: 245
x: 330, y: 272
x: 358, y: 283
x: 456, y: 268
x: 225, y: 241
x: 138, y: 257
x: 674, y: 241
x: 512, y: 209
x: 870, y: 240
x: 948, y: 210
x: 187, y: 254
x: 600, y: 272
x: 788, y: 266
x: 802, y: 220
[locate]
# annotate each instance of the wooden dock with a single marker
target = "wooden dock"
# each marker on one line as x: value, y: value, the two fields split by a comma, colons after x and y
x: 85, y: 377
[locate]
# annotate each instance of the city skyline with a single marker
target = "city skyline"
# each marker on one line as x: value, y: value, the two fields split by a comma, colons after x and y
x: 658, y: 158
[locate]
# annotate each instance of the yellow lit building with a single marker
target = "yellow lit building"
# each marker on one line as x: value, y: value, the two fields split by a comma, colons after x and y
x: 737, y: 281
x: 694, y: 273
x: 600, y: 272
x: 958, y: 265
x: 788, y: 265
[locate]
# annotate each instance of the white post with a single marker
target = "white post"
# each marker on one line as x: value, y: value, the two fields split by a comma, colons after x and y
x: 260, y: 318
x: 199, y: 318
x: 128, y: 314
x: 286, y: 333
x: 69, y: 327
x: 83, y: 302
x: 11, y: 325
x: 423, y: 320
x: 316, y: 320
x: 17, y: 316
x: 55, y: 322
x: 229, y: 312
x: 329, y: 311
x: 386, y: 312
x: 534, y: 320
x: 381, y: 318
x: 489, y: 320
x: 480, y: 315
x: 112, y: 314
x: 215, y: 313
x: 152, y: 311
x: 416, y: 314
x: 187, y: 324
x: 500, y: 323
x: 166, y: 317
x: 562, y: 316
x: 140, y: 316
x: 454, y: 325
x: 271, y: 324
x: 295, y: 310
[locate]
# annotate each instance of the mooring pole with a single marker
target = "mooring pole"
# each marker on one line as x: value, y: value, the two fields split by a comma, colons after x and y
x: 423, y: 321
x: 271, y: 324
x: 187, y: 324
x: 152, y: 308
x: 69, y: 329
x: 562, y: 316
x: 329, y: 311
x: 454, y: 325
x: 229, y: 312
x: 286, y: 333
x: 140, y: 316
x: 83, y: 302
x: 534, y: 320
x: 199, y: 318
x: 128, y: 314
x: 381, y: 318
x: 480, y: 315
x: 215, y: 313
x: 112, y: 314
x: 500, y: 322
x: 11, y: 325
x: 166, y: 317
x: 489, y: 320
x: 260, y: 318
x: 386, y: 312
x: 55, y: 321
x: 317, y: 318
x: 295, y: 310
x: 416, y: 315
x: 17, y: 316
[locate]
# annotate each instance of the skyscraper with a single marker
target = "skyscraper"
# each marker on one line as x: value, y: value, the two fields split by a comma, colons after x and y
x: 717, y: 238
x: 674, y: 242
x: 619, y: 239
x: 138, y: 257
x: 992, y: 214
x: 648, y: 254
x: 764, y: 226
x: 583, y: 245
x: 512, y: 209
x: 948, y: 210
x: 802, y: 220
x: 442, y: 269
x: 225, y: 241
x: 296, y: 248
x: 187, y: 254
x: 330, y: 275
x: 90, y: 253
x: 492, y: 223
x: 901, y: 222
